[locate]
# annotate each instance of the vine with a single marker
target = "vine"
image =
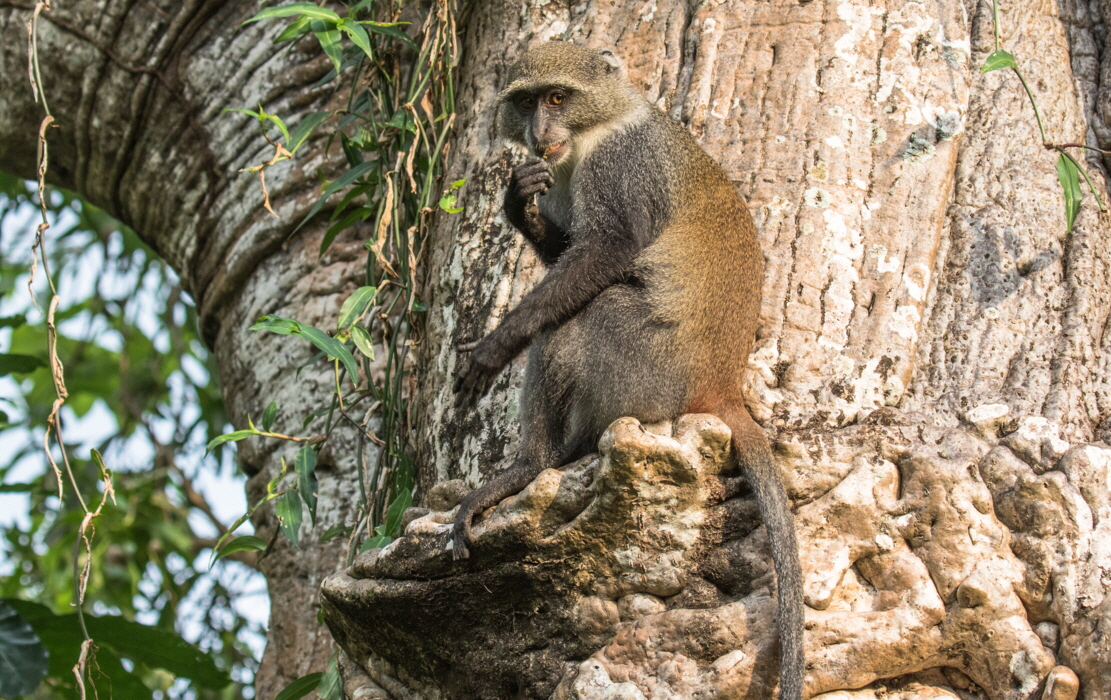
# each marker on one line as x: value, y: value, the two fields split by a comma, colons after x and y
x: 394, y: 133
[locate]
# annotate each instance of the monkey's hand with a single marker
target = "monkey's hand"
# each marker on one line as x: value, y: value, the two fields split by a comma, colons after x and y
x: 478, y: 374
x: 534, y: 176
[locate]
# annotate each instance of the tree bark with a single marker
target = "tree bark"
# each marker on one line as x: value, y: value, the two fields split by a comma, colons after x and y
x: 931, y: 363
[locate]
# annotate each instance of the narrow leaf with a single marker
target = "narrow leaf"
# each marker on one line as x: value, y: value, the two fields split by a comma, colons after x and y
x: 276, y: 324
x: 1069, y: 177
x: 358, y: 36
x: 296, y: 29
x: 333, y: 349
x: 305, y: 465
x: 351, y: 150
x: 305, y: 9
x: 337, y: 530
x: 274, y: 118
x: 363, y: 341
x: 331, y: 685
x: 391, y: 29
x: 399, y: 505
x: 269, y: 415
x: 305, y: 128
x: 355, y: 306
x: 343, y: 181
x: 329, y: 37
x: 360, y: 214
x: 229, y: 437
x: 288, y: 509
x: 376, y: 542
x: 245, y: 543
x: 998, y: 59
x: 300, y: 687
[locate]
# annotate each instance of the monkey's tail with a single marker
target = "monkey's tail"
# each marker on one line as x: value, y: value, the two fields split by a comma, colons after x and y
x: 755, y: 456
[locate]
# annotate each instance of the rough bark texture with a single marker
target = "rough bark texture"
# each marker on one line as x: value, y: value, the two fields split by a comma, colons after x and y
x: 932, y: 361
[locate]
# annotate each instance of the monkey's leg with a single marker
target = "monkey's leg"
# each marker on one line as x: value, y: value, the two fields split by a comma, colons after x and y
x: 755, y: 457
x: 542, y: 431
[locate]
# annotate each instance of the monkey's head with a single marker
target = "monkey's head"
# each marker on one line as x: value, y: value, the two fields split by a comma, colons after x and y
x: 558, y: 92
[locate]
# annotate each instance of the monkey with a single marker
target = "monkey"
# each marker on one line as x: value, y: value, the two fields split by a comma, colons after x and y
x: 650, y: 301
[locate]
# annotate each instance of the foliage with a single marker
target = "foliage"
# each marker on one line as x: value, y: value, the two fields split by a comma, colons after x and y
x: 1068, y: 169
x: 392, y: 133
x: 141, y: 391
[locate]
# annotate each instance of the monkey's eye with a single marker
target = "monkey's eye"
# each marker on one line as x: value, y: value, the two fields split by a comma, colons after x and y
x: 527, y: 103
x: 556, y: 98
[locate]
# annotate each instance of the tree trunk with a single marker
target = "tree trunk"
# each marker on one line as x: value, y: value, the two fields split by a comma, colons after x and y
x: 931, y: 363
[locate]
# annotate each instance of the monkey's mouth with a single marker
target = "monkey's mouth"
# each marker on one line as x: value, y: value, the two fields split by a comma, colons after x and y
x: 553, y: 151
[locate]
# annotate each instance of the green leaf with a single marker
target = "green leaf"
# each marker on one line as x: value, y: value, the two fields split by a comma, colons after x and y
x: 274, y: 118
x: 288, y: 509
x: 305, y: 128
x: 18, y: 488
x: 333, y: 349
x: 998, y: 59
x: 300, y: 687
x: 359, y: 214
x: 390, y: 29
x: 277, y: 324
x: 296, y: 29
x: 337, y: 530
x: 355, y: 306
x: 229, y: 437
x: 397, y: 508
x: 401, y: 120
x: 351, y: 150
x: 358, y: 36
x: 329, y: 37
x: 23, y: 658
x: 12, y: 321
x: 157, y: 648
x: 363, y: 341
x: 1069, y: 177
x: 447, y: 203
x: 268, y: 416
x: 343, y: 181
x: 305, y: 9
x: 331, y: 685
x: 244, y: 543
x: 19, y: 364
x: 61, y: 635
x: 305, y: 465
x: 376, y: 542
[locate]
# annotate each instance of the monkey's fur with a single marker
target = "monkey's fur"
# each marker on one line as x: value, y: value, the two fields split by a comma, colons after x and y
x: 650, y: 302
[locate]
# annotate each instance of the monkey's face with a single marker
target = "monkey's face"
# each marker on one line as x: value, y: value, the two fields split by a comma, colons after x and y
x: 544, y: 117
x: 557, y: 94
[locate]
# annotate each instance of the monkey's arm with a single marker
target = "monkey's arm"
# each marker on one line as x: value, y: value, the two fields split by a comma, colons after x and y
x: 532, y: 178
x: 597, y: 259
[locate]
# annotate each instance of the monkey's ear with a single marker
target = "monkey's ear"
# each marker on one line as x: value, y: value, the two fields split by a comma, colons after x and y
x: 611, y: 61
